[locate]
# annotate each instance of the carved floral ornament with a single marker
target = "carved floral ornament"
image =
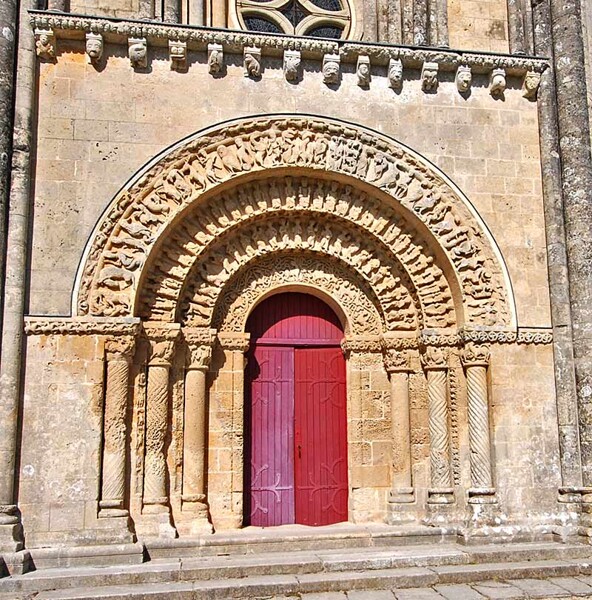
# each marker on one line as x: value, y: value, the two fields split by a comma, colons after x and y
x: 373, y: 212
x: 255, y: 47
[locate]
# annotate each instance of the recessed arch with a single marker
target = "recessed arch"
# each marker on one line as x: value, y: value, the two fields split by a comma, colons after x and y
x: 139, y: 220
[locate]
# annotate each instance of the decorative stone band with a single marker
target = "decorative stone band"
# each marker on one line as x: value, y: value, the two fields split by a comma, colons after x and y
x: 370, y: 345
x: 81, y: 326
x: 49, y: 27
x: 238, y: 342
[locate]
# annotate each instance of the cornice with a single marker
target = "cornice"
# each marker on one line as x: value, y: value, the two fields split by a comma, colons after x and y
x: 80, y: 326
x: 119, y: 31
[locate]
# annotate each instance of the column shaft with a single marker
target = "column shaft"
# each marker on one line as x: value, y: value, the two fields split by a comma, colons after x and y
x: 438, y: 23
x: 439, y: 435
x: 60, y: 5
x: 197, y: 12
x: 400, y: 428
x: 146, y: 9
x: 219, y: 13
x: 172, y: 11
x: 420, y: 23
x: 576, y: 160
x: 194, y: 441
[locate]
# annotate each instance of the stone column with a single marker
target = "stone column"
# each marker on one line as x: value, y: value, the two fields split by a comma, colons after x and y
x: 58, y: 5
x: 146, y: 10
x: 172, y: 11
x: 475, y: 359
x: 15, y: 285
x: 435, y: 363
x: 396, y: 364
x: 420, y: 23
x: 576, y: 162
x: 119, y: 351
x: 438, y: 23
x: 194, y: 498
x: 162, y: 340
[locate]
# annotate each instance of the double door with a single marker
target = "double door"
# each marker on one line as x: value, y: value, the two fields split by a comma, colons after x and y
x: 296, y: 446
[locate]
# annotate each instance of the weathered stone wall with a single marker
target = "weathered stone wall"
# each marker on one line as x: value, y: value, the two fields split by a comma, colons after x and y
x: 587, y: 28
x: 478, y: 25
x: 124, y: 9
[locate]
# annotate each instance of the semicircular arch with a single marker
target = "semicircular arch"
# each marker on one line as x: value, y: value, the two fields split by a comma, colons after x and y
x: 143, y: 212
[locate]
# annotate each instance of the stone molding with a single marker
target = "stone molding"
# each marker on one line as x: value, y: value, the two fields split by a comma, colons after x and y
x: 359, y: 345
x: 77, y: 326
x: 118, y: 31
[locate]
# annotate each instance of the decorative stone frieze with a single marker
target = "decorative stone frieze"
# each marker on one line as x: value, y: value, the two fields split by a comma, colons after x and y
x: 463, y: 79
x: 363, y: 71
x: 64, y: 326
x: 45, y: 44
x: 292, y: 61
x: 370, y: 345
x: 331, y: 69
x: 429, y: 76
x: 138, y: 52
x: 235, y: 42
x: 94, y: 48
x: 215, y: 58
x: 234, y: 342
x: 178, y: 54
x: 497, y: 82
x: 252, y: 62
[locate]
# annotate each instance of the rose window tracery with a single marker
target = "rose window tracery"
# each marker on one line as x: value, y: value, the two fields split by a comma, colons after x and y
x: 316, y: 18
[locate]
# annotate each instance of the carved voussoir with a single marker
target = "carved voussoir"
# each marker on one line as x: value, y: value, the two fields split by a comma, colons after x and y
x: 215, y: 58
x: 178, y: 54
x: 292, y: 60
x: 429, y: 76
x: 331, y: 68
x: 363, y: 70
x: 252, y: 62
x: 94, y: 48
x: 138, y: 52
x: 45, y: 44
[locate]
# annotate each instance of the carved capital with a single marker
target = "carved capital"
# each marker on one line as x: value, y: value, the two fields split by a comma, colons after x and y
x: 238, y: 342
x: 358, y: 345
x: 120, y: 348
x: 45, y: 43
x: 199, y: 341
x: 474, y: 355
x: 162, y: 341
x: 396, y: 361
x: 434, y: 358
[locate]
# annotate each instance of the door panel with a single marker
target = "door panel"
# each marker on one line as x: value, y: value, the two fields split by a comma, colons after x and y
x: 320, y: 436
x: 270, y: 424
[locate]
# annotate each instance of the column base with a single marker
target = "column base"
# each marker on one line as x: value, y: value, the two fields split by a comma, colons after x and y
x: 196, y: 508
x: 15, y: 563
x: 11, y: 530
x: 114, y: 528
x: 441, y: 496
x: 156, y: 521
x: 482, y: 496
x: 401, y: 508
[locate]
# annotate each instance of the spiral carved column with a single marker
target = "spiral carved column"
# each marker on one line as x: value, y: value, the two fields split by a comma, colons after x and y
x: 475, y: 359
x: 435, y: 363
x: 199, y: 342
x: 162, y: 347
x: 119, y: 351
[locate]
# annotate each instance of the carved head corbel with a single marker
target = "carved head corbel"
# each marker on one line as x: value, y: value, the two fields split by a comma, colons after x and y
x: 464, y: 78
x: 363, y: 71
x: 395, y: 73
x: 138, y: 52
x: 94, y: 48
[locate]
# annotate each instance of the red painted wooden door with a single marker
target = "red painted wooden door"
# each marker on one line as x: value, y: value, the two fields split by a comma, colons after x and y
x: 295, y: 414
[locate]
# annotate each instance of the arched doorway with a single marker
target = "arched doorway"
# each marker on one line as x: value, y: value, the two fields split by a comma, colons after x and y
x: 295, y: 414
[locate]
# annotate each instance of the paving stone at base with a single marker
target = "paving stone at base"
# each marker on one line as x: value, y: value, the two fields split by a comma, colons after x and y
x: 573, y: 585
x: 325, y: 596
x: 458, y: 592
x: 373, y: 595
x: 539, y: 588
x: 417, y: 594
x: 496, y: 590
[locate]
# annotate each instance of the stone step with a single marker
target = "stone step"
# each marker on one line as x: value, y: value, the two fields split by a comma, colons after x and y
x: 321, y: 568
x: 270, y: 586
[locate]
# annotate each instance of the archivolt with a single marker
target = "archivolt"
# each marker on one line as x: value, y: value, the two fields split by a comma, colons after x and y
x: 280, y: 271
x: 141, y: 216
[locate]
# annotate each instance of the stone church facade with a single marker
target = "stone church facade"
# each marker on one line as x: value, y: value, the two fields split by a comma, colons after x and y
x: 422, y: 169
